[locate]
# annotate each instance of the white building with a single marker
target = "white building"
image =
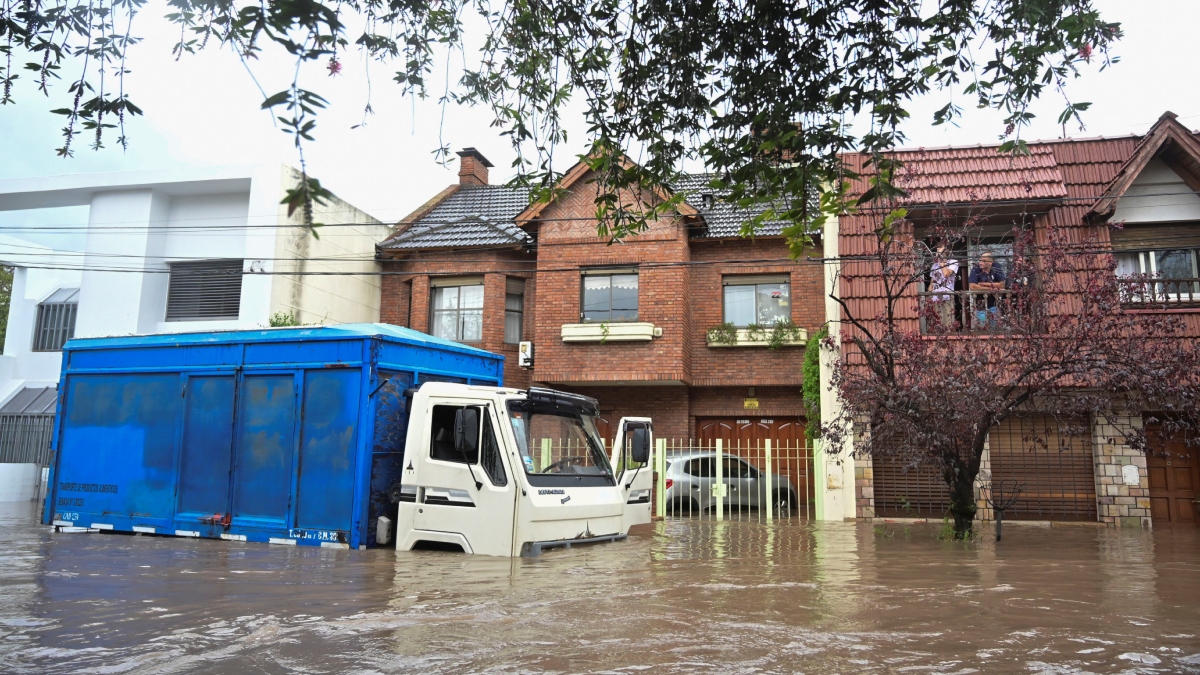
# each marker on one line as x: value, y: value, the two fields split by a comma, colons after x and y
x: 174, y: 251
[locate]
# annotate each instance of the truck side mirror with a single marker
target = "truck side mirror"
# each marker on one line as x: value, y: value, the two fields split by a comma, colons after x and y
x: 466, y: 431
x: 639, y: 445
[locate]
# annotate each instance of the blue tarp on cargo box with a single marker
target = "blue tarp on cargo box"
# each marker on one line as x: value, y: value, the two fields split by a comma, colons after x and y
x: 284, y: 435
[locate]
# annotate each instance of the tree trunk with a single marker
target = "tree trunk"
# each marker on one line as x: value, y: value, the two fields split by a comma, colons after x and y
x: 962, y: 504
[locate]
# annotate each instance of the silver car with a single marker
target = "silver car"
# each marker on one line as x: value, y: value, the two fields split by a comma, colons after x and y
x: 692, y: 474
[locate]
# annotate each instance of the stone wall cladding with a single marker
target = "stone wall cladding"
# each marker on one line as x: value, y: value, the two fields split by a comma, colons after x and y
x: 1119, y: 504
x: 864, y: 488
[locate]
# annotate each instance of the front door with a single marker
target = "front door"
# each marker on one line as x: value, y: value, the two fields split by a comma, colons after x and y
x: 1174, y: 472
x: 471, y: 493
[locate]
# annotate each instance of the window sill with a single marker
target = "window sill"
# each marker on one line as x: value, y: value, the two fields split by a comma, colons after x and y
x: 636, y: 331
x: 743, y: 340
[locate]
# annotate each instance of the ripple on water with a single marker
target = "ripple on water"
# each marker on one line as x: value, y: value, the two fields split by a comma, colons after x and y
x: 689, y: 597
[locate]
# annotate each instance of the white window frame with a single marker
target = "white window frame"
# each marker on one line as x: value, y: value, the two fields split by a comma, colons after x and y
x: 460, y: 312
x: 610, y: 273
x: 1148, y: 256
x: 755, y: 281
x: 514, y: 291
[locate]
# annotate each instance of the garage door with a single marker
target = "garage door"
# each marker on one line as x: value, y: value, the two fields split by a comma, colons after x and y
x: 746, y: 437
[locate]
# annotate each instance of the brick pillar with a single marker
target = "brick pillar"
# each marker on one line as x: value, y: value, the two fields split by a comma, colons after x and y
x: 494, y: 289
x: 394, y: 300
x: 418, y: 316
x: 1122, y: 494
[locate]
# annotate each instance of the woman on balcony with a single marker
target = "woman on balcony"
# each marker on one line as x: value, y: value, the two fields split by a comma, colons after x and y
x: 942, y: 277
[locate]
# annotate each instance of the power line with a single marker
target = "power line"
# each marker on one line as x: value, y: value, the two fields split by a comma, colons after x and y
x: 137, y: 226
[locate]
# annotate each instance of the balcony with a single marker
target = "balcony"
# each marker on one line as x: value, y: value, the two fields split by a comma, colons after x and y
x: 1147, y: 293
x: 968, y: 312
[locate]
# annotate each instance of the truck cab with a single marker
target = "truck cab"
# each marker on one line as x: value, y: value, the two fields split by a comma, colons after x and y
x: 509, y: 472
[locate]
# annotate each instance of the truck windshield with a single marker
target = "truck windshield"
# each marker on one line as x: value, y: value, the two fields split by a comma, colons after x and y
x: 558, y: 447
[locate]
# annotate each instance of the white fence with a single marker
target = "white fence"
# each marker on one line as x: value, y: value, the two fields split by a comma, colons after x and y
x: 714, y: 479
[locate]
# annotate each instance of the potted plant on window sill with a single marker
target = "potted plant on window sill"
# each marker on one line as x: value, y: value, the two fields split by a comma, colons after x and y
x: 781, y: 334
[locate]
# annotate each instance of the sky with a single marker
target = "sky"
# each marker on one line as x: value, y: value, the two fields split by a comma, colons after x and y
x: 203, y: 110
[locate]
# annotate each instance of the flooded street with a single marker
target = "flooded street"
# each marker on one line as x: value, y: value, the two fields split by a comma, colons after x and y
x: 686, y: 597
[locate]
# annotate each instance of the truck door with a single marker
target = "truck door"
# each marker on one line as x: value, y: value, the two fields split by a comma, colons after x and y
x: 632, y: 465
x: 464, y: 485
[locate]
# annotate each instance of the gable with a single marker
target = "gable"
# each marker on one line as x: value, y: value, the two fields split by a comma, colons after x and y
x: 1158, y: 195
x: 573, y: 215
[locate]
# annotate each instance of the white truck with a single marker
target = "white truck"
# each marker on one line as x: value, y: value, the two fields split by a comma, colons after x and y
x: 508, y: 472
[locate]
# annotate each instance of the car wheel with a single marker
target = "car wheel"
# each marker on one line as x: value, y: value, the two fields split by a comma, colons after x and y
x: 784, y: 502
x: 684, y: 506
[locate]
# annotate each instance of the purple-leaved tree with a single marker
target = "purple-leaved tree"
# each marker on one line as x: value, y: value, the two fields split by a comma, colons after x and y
x: 922, y: 383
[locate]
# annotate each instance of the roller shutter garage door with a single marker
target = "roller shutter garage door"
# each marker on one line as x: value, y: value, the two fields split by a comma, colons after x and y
x: 1057, y: 469
x: 903, y: 491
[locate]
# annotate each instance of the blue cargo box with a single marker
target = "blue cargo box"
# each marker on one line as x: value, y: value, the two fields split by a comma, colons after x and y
x: 278, y: 435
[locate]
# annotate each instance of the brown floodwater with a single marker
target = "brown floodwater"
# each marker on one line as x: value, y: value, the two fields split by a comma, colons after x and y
x: 685, y: 596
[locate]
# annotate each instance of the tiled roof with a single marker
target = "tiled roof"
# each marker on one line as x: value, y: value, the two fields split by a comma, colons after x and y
x: 466, y: 231
x: 497, y: 203
x: 963, y: 175
x: 721, y: 219
x: 482, y: 215
x: 472, y: 215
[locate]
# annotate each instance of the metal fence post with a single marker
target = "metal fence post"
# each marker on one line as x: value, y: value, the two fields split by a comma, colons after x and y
x: 768, y: 493
x: 719, y: 486
x: 546, y: 453
x: 660, y: 483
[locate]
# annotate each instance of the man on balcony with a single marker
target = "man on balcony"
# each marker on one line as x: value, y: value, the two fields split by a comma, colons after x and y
x: 986, y: 276
x: 942, y: 276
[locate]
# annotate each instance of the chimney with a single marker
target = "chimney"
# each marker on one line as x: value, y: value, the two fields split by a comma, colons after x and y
x: 472, y: 167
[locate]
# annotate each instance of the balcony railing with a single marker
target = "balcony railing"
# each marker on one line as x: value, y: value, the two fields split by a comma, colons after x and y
x: 970, y: 312
x: 1142, y: 293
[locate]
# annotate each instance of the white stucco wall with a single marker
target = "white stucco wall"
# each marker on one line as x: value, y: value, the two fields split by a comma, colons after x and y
x: 139, y: 222
x: 1157, y: 195
x: 19, y: 482
x: 20, y: 366
x: 834, y: 473
x: 344, y: 248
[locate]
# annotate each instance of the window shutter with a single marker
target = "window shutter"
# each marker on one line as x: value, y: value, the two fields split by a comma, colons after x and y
x: 204, y: 289
x: 752, y: 279
x: 1156, y: 236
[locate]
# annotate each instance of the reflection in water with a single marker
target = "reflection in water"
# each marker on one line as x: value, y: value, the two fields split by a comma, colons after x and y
x: 680, y: 597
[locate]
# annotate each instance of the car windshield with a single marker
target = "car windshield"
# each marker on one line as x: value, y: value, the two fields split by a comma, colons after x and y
x: 556, y: 442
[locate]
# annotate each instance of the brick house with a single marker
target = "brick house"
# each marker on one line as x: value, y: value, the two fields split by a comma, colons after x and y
x: 627, y: 323
x: 1151, y: 185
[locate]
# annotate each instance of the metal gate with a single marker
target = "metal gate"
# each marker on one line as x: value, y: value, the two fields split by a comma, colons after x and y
x: 27, y: 426
x: 711, y: 479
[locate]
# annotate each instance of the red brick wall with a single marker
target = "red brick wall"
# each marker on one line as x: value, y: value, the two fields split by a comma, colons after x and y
x: 681, y: 298
x: 567, y: 241
x: 396, y: 296
x: 667, y: 405
x: 406, y: 295
x: 712, y: 366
